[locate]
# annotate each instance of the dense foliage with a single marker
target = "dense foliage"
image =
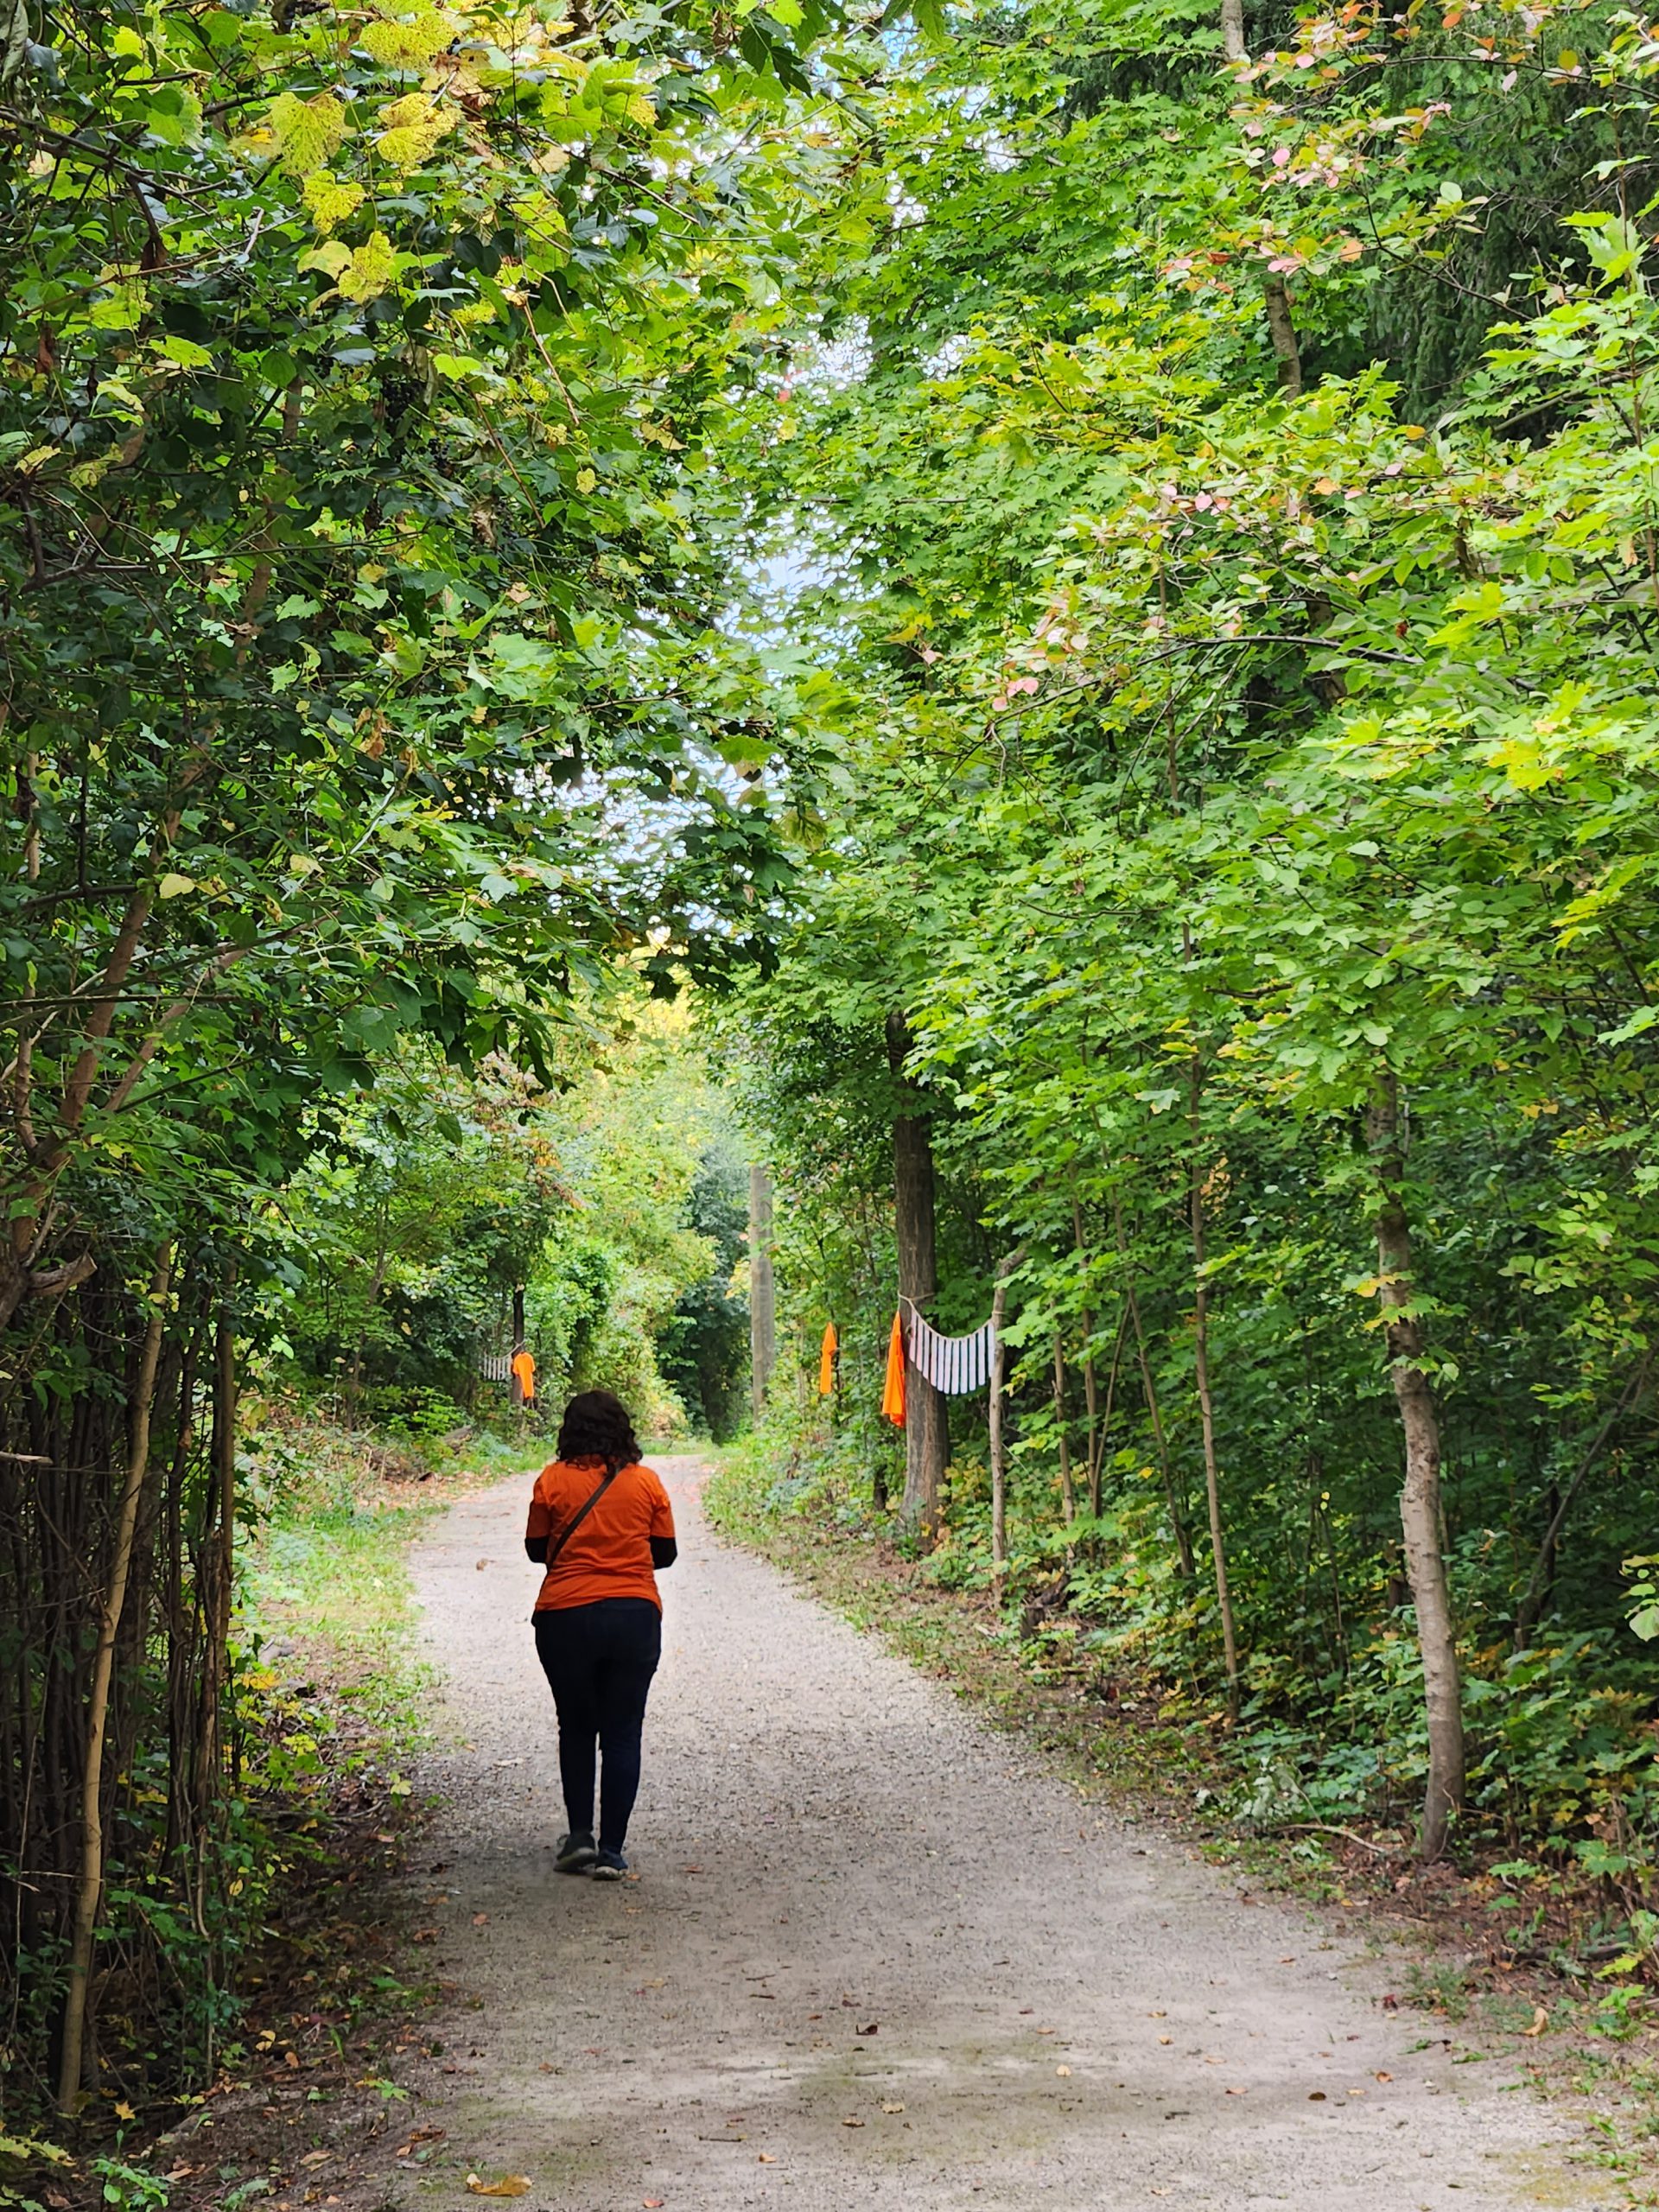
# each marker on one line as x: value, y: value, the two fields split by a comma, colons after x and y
x: 365, y: 694
x: 1225, y: 488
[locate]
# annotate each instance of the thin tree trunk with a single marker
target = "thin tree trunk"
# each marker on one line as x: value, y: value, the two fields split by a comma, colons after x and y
x: 1420, y: 1496
x: 763, y: 1311
x: 1526, y: 1617
x: 1206, y: 1403
x: 1090, y: 1388
x: 1282, y: 328
x: 1097, y: 1462
x: 219, y: 1565
x: 1281, y: 333
x: 998, y: 1449
x: 89, y: 1893
x: 1149, y: 1392
x: 927, y: 1435
x: 1068, y: 1494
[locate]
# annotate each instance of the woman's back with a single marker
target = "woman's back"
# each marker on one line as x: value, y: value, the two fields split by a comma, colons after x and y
x: 609, y: 1553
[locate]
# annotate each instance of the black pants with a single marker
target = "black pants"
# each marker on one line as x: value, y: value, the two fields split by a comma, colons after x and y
x: 598, y: 1660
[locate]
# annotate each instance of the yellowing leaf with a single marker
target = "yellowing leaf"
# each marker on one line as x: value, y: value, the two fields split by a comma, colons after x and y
x: 1524, y: 763
x: 330, y: 199
x: 173, y: 885
x: 125, y: 308
x: 309, y: 133
x: 509, y: 2185
x: 415, y: 124
x: 586, y: 480
x: 372, y: 268
x: 410, y: 42
x: 333, y: 257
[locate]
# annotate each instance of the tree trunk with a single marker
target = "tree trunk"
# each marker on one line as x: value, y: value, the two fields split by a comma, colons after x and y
x: 515, y: 1387
x: 1206, y: 1403
x: 1098, y: 1457
x: 1090, y: 1388
x: 1543, y: 1572
x: 1419, y: 1497
x: 1149, y: 1391
x: 1282, y: 332
x: 1068, y: 1493
x: 89, y: 1893
x: 763, y: 1310
x: 927, y: 1436
x: 998, y: 1449
x: 1281, y: 328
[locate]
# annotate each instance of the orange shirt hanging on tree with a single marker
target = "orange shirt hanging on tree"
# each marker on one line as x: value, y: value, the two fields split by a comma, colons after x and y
x: 523, y: 1366
x: 892, y: 1396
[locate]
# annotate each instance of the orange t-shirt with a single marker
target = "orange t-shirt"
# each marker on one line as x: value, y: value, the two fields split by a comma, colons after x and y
x: 609, y: 1556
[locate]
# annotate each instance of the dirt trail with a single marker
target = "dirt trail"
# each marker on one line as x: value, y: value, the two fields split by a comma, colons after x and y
x: 876, y: 1956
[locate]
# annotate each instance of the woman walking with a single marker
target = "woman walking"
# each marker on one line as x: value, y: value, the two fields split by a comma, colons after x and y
x: 600, y: 1524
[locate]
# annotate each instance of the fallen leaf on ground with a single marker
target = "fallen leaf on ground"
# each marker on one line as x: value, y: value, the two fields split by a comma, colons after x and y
x: 1165, y: 2038
x: 1237, y: 2093
x: 852, y: 2123
x: 480, y: 1920
x: 651, y: 2204
x: 1062, y: 2069
x: 765, y: 2158
x: 509, y: 2185
x: 1540, y: 2022
x: 1316, y: 2096
x: 482, y: 1564
x: 871, y: 2030
x: 1385, y: 2077
x: 891, y: 2108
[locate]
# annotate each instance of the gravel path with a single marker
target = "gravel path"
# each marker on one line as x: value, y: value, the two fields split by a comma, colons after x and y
x: 876, y: 1956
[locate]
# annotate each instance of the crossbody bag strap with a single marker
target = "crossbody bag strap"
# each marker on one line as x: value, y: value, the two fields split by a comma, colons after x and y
x: 557, y: 1543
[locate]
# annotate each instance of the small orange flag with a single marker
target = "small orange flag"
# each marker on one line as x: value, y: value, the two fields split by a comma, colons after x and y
x: 827, y: 1362
x: 892, y: 1396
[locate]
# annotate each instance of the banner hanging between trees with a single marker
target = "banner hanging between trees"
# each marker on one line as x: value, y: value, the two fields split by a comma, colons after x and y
x: 955, y: 1366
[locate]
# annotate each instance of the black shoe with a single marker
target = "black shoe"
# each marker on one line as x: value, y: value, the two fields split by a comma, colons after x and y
x: 610, y: 1864
x: 575, y: 1853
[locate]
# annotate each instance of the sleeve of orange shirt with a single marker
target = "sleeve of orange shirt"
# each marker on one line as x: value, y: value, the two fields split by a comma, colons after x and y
x: 539, y: 1526
x: 662, y: 1513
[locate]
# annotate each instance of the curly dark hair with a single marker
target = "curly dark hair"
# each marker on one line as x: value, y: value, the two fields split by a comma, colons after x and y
x: 596, y: 1426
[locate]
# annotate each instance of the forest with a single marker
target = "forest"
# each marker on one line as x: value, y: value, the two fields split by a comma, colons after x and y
x: 1040, y: 623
